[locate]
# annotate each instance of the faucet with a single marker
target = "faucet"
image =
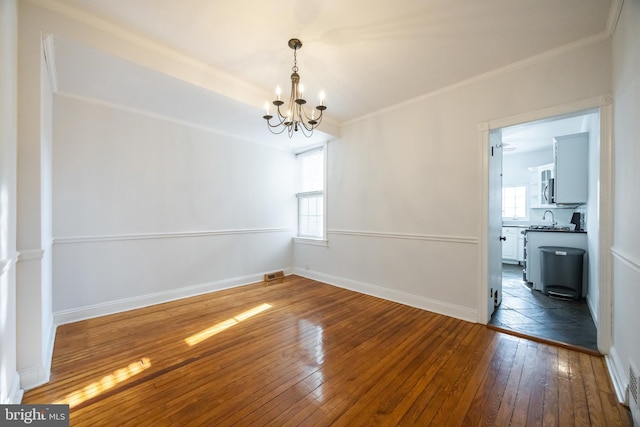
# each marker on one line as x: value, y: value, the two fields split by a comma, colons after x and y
x: 553, y: 218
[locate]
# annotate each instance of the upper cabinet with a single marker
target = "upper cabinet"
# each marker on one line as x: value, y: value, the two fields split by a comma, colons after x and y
x: 539, y: 186
x: 571, y: 171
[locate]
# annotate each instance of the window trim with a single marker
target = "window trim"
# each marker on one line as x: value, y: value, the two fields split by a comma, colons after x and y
x: 322, y: 240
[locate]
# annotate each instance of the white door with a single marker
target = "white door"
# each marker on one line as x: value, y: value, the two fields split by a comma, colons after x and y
x: 495, y: 220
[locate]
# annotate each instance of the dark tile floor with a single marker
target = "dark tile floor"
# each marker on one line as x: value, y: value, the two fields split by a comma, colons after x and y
x: 532, y: 313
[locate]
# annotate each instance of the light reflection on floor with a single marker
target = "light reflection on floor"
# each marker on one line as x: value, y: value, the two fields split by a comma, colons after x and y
x: 107, y: 382
x: 312, y: 351
x: 226, y: 324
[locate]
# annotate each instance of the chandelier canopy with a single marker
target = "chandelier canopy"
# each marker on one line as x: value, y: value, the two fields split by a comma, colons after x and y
x: 294, y: 117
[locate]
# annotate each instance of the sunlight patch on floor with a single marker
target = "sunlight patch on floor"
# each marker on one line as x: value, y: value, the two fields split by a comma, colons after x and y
x: 219, y: 327
x: 94, y: 389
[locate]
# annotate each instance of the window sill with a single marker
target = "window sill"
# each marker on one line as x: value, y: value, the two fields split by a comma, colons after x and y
x: 310, y: 241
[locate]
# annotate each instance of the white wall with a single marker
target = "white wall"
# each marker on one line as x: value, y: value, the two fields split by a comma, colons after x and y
x: 36, y: 332
x: 405, y: 184
x: 626, y: 250
x: 147, y: 210
x: 515, y: 167
x: 10, y: 391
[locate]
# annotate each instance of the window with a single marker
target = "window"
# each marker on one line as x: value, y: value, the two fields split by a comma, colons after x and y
x: 514, y: 202
x: 311, y: 193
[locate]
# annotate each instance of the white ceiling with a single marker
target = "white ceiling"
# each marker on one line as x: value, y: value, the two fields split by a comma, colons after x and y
x: 366, y: 55
x: 538, y: 136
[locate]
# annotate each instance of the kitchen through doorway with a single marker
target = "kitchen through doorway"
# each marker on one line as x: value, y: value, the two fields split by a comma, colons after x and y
x: 532, y: 168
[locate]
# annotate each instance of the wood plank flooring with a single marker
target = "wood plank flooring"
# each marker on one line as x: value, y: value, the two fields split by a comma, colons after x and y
x: 306, y: 353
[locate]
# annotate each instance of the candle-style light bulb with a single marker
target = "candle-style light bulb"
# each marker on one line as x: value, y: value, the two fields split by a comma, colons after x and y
x: 301, y: 89
x: 266, y: 107
x: 322, y: 96
x: 278, y: 92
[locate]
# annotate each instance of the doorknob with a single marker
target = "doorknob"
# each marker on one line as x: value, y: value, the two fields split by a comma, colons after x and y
x: 503, y: 238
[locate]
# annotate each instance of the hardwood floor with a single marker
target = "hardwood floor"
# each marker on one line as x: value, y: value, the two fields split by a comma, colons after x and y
x: 306, y: 353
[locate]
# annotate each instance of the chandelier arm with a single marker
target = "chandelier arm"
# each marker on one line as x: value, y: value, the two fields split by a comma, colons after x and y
x: 272, y: 127
x: 280, y: 120
x: 306, y: 131
x: 317, y: 119
x: 306, y: 126
x: 280, y: 115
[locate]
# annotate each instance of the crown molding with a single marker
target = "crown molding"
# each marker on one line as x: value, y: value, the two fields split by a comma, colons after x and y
x: 614, y: 16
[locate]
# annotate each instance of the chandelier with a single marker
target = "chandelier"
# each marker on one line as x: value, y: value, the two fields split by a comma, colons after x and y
x: 294, y: 117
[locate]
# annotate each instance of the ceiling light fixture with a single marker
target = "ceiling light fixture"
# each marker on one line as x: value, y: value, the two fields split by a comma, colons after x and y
x: 295, y: 117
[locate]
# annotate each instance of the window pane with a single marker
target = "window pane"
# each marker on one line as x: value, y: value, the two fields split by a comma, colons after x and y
x: 311, y: 171
x: 514, y: 202
x: 311, y: 213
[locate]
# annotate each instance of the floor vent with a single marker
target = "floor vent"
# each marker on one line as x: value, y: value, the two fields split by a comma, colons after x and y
x: 634, y: 400
x: 277, y: 277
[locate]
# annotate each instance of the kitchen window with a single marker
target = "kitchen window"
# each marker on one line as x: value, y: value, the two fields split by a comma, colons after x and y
x: 311, y: 194
x: 514, y: 202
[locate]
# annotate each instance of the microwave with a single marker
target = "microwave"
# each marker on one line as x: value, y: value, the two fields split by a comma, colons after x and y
x: 547, y: 187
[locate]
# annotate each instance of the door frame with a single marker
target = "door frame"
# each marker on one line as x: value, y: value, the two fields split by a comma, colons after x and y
x: 605, y: 206
x: 494, y: 245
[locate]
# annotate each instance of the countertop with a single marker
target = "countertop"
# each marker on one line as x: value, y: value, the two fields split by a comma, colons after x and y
x: 530, y: 228
x: 553, y: 230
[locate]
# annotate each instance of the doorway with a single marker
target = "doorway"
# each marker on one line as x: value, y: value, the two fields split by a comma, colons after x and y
x: 527, y: 136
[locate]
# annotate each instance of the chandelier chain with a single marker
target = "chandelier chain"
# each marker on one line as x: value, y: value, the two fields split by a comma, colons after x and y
x: 295, y: 61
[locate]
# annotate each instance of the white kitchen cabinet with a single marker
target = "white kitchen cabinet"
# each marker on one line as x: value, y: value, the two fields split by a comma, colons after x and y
x: 539, y: 185
x: 513, y: 244
x: 520, y: 246
x: 571, y: 177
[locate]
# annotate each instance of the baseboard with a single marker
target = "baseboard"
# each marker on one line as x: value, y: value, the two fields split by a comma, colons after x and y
x: 49, y: 350
x: 592, y: 310
x: 14, y: 395
x: 446, y: 309
x: 119, y: 306
x: 618, y: 375
x: 37, y: 375
x: 34, y: 376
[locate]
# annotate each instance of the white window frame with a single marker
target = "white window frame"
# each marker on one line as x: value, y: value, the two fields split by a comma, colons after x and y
x: 525, y: 207
x: 307, y: 239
